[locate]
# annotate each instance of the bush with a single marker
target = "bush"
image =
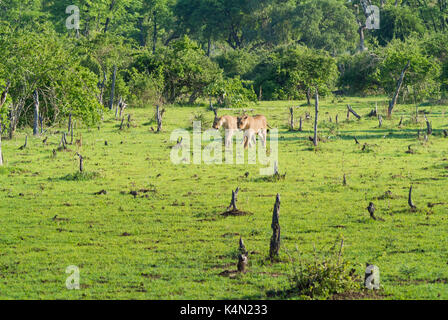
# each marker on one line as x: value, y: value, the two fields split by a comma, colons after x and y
x: 321, y: 277
x: 289, y: 72
x: 233, y: 93
x: 421, y: 80
x: 358, y: 74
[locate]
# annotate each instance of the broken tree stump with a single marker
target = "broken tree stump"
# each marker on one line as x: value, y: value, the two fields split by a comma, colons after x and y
x: 350, y: 110
x: 159, y: 118
x: 232, y: 205
x: 316, y: 110
x: 275, y: 225
x: 428, y: 126
x: 291, y: 119
x: 69, y: 122
x: 81, y: 162
x: 242, y: 263
x: 36, y: 113
x: 26, y: 143
x: 242, y: 248
x: 371, y: 209
x: 380, y: 121
x: 242, y: 257
x: 411, y: 204
x: 232, y: 209
x: 300, y: 124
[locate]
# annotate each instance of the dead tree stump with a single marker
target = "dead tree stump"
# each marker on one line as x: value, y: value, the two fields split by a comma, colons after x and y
x: 275, y: 239
x: 380, y: 121
x: 428, y: 126
x: 411, y: 204
x: 291, y: 119
x: 26, y: 143
x: 159, y: 118
x: 69, y: 122
x: 316, y: 109
x: 300, y: 124
x: 232, y: 209
x: 232, y: 206
x: 350, y: 110
x: 81, y: 162
x: 36, y: 113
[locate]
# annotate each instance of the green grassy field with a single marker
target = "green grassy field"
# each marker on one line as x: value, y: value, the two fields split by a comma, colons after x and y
x: 172, y: 242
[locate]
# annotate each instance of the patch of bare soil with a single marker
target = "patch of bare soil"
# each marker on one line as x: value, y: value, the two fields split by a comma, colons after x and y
x: 359, y: 295
x: 236, y: 213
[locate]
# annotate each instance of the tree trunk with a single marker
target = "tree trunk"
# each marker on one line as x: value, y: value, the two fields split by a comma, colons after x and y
x: 291, y: 111
x: 36, y: 113
x: 4, y: 94
x: 316, y: 119
x: 362, y: 46
x: 393, y: 102
x: 1, y: 154
x: 112, y: 91
x: 154, y: 36
x: 308, y: 96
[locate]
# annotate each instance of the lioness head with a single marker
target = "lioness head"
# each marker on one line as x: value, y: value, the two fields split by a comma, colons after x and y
x: 217, y: 123
x: 242, y: 122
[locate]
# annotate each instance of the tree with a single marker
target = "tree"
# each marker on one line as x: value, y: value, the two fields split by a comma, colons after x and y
x: 421, y: 77
x: 292, y: 72
x: 326, y: 24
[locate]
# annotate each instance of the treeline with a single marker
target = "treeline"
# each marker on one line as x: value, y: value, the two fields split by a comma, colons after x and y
x: 233, y: 52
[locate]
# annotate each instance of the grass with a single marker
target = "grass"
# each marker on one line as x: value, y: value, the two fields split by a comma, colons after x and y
x: 169, y: 240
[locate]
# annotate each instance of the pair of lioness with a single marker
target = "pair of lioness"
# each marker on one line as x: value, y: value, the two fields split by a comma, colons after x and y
x: 251, y: 126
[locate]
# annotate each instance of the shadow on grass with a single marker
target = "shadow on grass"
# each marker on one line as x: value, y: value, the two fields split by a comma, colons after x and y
x: 78, y: 176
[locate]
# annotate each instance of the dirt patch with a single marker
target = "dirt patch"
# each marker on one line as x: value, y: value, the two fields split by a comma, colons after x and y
x: 359, y: 295
x: 236, y: 213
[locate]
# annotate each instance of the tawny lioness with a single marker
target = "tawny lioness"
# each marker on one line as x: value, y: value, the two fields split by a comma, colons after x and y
x: 252, y: 126
x: 230, y: 124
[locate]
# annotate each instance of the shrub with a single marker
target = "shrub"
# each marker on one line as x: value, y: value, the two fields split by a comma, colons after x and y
x: 321, y: 277
x: 233, y: 93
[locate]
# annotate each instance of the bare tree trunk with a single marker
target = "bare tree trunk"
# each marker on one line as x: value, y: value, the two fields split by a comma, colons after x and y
x: 36, y: 113
x: 101, y: 86
x: 316, y: 118
x: 112, y: 91
x: 1, y: 154
x: 154, y: 36
x: 308, y: 96
x: 393, y: 102
x: 159, y: 116
x: 362, y: 46
x: 291, y: 111
x: 81, y: 163
x: 5, y: 94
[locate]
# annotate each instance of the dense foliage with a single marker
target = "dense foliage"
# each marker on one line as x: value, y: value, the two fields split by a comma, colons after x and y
x: 233, y: 52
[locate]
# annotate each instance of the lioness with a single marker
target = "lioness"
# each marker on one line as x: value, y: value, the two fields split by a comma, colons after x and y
x: 253, y: 125
x: 230, y: 124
